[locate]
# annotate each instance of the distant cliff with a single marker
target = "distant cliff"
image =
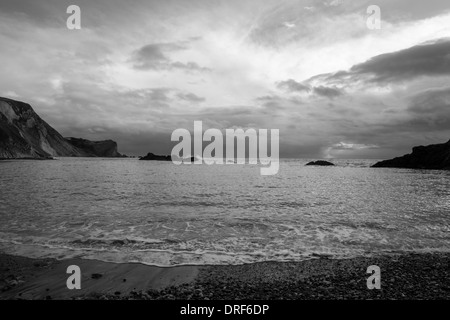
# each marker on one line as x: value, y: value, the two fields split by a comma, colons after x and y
x: 107, y: 148
x: 23, y: 134
x: 436, y: 156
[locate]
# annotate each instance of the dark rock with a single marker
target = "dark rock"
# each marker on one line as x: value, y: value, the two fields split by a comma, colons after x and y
x: 96, y: 276
x: 154, y: 157
x: 106, y: 148
x: 320, y: 163
x: 435, y: 156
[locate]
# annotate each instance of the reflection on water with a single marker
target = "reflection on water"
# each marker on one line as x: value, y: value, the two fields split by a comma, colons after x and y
x: 158, y: 213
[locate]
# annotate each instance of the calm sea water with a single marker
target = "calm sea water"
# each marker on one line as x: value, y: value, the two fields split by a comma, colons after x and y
x: 125, y: 210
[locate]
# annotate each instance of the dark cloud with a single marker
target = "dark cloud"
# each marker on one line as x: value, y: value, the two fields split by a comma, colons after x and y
x: 155, y: 56
x: 432, y: 59
x: 431, y: 101
x: 291, y: 85
x: 132, y: 117
x: 40, y: 13
x: 425, y: 120
x: 190, y: 97
x: 149, y: 97
x: 304, y: 150
x: 149, y: 56
x: 327, y: 92
x: 107, y: 14
x: 273, y: 104
x: 429, y: 59
x: 430, y: 110
x: 189, y: 66
x: 142, y: 143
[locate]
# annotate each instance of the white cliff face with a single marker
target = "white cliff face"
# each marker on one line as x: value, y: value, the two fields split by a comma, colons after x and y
x: 7, y: 110
x: 47, y: 147
x: 23, y: 134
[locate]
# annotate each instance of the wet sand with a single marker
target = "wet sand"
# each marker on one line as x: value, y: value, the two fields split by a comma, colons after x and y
x: 406, y: 276
x: 25, y: 278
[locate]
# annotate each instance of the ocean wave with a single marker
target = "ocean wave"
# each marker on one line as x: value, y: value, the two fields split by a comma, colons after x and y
x: 169, y: 258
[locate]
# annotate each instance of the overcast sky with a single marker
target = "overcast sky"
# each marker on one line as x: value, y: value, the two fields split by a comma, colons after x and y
x: 137, y: 70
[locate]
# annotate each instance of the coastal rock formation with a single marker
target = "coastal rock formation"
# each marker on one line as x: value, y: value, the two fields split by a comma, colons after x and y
x: 107, y: 148
x: 436, y: 156
x: 154, y: 157
x: 320, y: 163
x: 23, y: 134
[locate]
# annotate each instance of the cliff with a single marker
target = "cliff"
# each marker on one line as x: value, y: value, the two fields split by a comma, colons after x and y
x: 436, y: 156
x: 106, y: 148
x: 23, y: 134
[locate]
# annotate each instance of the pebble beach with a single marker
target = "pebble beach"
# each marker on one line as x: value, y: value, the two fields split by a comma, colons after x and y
x: 404, y: 276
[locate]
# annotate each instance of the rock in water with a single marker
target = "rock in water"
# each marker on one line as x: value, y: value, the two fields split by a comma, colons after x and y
x: 23, y: 134
x: 320, y: 163
x: 107, y: 148
x: 154, y: 157
x: 436, y: 156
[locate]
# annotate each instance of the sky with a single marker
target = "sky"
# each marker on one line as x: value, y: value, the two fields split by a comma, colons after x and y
x: 138, y: 70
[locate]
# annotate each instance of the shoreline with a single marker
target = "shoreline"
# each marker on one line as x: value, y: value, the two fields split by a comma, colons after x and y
x: 403, y: 276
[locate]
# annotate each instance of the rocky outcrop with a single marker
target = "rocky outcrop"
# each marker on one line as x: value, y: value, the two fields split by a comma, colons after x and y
x: 154, y: 157
x: 320, y: 163
x: 436, y: 156
x: 106, y: 149
x: 23, y: 134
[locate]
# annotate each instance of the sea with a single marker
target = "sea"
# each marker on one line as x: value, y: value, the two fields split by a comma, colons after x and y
x: 158, y: 213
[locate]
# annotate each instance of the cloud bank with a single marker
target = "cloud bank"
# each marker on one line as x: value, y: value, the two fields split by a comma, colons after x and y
x: 136, y: 72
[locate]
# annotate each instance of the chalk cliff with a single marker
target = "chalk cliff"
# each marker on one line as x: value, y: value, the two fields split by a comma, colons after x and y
x: 23, y: 134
